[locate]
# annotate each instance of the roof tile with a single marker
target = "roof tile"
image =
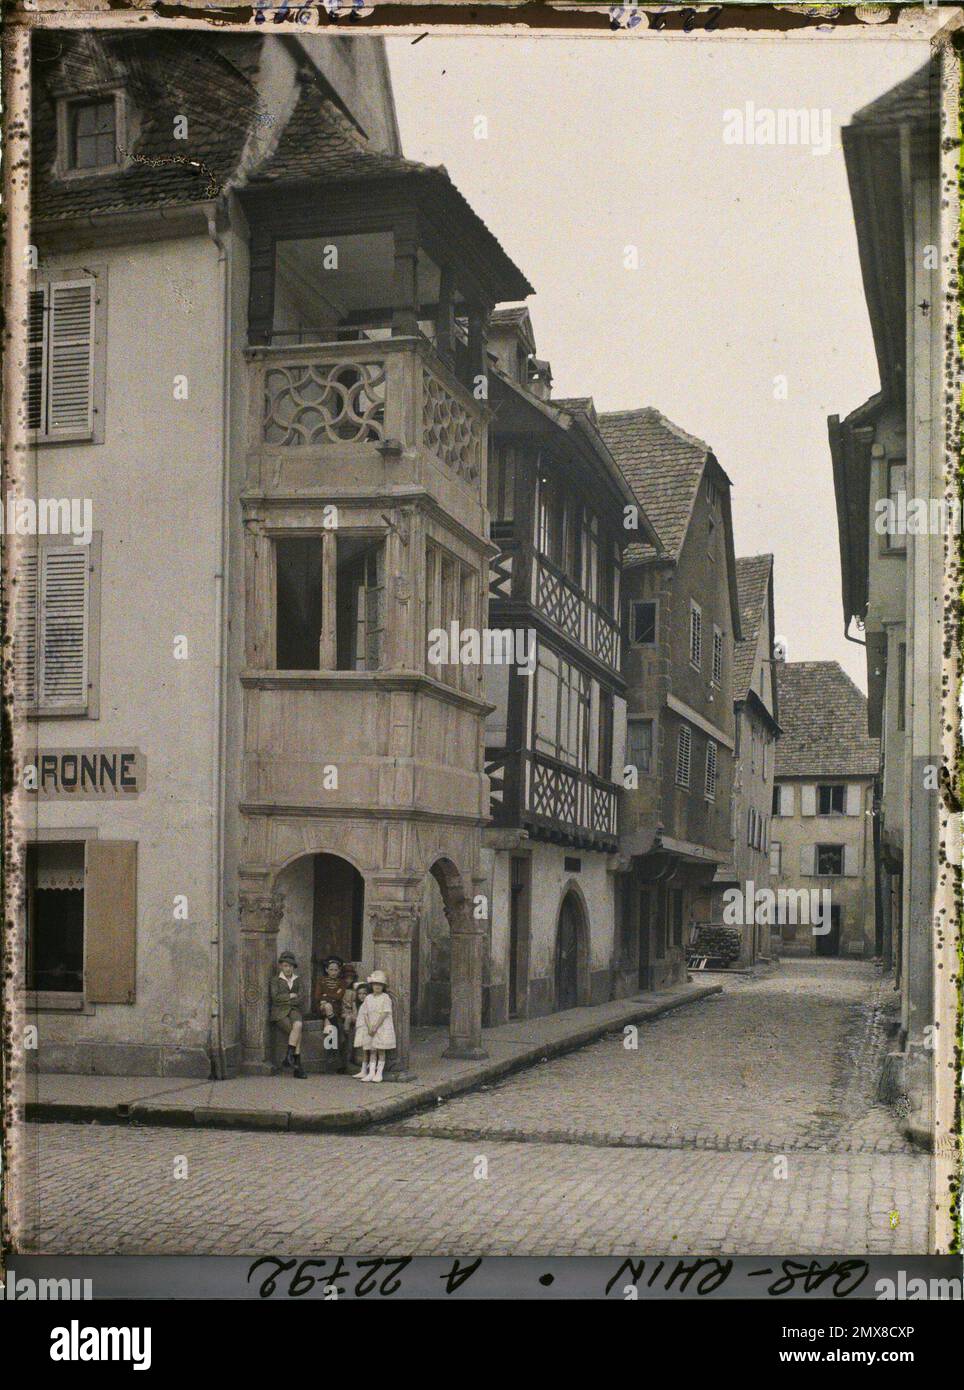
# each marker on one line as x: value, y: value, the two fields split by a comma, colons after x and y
x: 824, y: 721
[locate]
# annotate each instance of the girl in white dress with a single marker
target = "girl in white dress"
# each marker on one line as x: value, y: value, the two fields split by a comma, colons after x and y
x: 375, y: 1028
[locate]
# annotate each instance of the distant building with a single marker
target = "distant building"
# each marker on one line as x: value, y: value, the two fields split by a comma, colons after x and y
x: 554, y: 741
x: 757, y: 729
x: 681, y: 615
x: 821, y: 838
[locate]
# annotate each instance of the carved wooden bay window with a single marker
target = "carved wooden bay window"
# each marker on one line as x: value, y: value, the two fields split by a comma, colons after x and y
x: 329, y: 601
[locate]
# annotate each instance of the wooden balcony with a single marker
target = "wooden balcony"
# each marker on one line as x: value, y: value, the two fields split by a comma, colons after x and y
x: 552, y: 800
x: 566, y: 605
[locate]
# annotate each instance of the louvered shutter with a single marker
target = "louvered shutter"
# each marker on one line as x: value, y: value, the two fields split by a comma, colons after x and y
x: 63, y: 626
x: 807, y: 859
x: 25, y: 629
x: 853, y: 798
x: 70, y: 350
x: 37, y: 359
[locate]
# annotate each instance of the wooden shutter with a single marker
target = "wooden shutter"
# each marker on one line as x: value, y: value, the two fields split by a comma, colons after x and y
x: 786, y: 801
x: 807, y: 859
x: 808, y: 800
x: 63, y: 625
x: 374, y: 601
x: 110, y: 922
x: 37, y: 359
x: 853, y: 799
x: 851, y: 860
x: 25, y: 629
x: 70, y: 352
x: 683, y: 745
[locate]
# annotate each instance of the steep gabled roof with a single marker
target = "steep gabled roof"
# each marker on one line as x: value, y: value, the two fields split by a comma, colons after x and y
x: 164, y: 75
x: 663, y: 465
x: 824, y: 720
x: 753, y: 587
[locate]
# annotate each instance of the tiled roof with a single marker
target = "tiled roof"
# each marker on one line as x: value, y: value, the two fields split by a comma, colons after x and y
x: 915, y: 101
x: 211, y: 81
x: 824, y: 720
x: 752, y: 582
x: 165, y: 75
x: 663, y: 465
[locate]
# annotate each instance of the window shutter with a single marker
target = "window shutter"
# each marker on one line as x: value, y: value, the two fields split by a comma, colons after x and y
x: 683, y: 756
x: 850, y: 861
x: 110, y: 922
x: 806, y: 859
x: 70, y: 351
x: 853, y: 798
x: 37, y: 359
x: 25, y: 630
x: 808, y: 800
x: 63, y: 626
x: 775, y: 865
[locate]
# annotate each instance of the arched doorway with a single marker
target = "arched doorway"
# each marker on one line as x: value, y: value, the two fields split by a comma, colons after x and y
x: 572, y: 953
x: 465, y: 950
x: 324, y: 912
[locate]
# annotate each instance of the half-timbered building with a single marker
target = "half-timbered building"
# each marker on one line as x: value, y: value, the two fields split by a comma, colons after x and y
x: 555, y: 737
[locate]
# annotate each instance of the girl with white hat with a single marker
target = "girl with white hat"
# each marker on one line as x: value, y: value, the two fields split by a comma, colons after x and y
x: 375, y: 1028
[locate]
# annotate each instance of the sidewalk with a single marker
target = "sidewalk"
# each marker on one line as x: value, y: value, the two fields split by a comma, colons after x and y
x: 328, y: 1102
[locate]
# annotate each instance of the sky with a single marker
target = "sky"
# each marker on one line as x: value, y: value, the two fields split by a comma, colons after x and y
x: 747, y: 257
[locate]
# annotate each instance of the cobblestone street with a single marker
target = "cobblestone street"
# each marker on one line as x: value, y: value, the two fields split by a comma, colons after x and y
x: 741, y: 1124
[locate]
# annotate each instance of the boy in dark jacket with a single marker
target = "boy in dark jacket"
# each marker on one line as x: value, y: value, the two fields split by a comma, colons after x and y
x: 286, y: 1010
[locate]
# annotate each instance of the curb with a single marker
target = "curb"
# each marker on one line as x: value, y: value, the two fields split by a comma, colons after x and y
x: 344, y: 1121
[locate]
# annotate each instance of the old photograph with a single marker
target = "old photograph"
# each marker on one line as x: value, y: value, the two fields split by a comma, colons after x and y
x: 480, y: 523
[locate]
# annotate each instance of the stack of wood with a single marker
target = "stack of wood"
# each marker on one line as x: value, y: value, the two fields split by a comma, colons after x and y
x: 720, y: 946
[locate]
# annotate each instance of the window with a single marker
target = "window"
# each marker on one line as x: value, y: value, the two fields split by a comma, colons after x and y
x: 901, y: 685
x: 696, y: 635
x: 80, y: 933
x: 53, y: 607
x: 750, y: 826
x: 92, y: 133
x: 776, y: 857
x: 605, y: 745
x: 896, y: 489
x: 830, y: 800
x: 684, y: 748
x: 61, y: 344
x: 717, y: 656
x: 359, y: 603
x: 775, y: 808
x: 449, y: 598
x: 298, y: 603
x: 55, y: 918
x: 501, y: 483
x: 561, y: 708
x: 830, y: 860
x: 710, y: 780
x: 642, y: 623
x: 590, y: 554
x: 639, y: 744
x: 712, y: 492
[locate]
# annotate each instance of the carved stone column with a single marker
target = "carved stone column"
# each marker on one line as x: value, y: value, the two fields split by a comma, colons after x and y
x: 465, y: 1014
x: 393, y: 932
x: 261, y: 915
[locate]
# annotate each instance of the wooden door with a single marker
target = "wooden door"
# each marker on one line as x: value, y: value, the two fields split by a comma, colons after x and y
x: 567, y: 955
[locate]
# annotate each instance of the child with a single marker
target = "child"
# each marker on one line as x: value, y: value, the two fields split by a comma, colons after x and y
x: 353, y: 1003
x: 375, y: 1028
x: 285, y: 1011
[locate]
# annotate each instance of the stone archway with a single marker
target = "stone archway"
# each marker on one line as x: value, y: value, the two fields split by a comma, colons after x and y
x: 324, y: 906
x: 466, y: 936
x: 572, y: 986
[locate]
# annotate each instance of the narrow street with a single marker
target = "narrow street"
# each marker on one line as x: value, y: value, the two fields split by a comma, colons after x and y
x: 742, y: 1124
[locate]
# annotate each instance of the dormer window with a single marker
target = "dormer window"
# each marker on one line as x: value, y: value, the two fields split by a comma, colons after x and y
x: 93, y: 134
x: 90, y: 134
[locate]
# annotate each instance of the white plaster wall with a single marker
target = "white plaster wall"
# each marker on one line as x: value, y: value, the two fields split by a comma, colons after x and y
x: 155, y: 489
